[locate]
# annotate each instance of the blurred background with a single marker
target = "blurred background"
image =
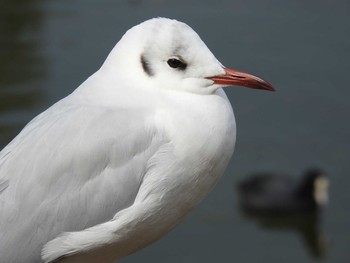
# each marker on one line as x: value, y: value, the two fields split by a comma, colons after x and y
x: 47, y: 48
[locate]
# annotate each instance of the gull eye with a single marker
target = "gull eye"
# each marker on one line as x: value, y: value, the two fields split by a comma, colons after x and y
x: 176, y: 63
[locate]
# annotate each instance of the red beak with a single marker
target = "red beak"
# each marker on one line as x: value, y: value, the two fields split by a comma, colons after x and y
x: 237, y: 78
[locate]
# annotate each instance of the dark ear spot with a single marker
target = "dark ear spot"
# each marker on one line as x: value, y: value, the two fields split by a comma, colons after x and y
x: 146, y: 67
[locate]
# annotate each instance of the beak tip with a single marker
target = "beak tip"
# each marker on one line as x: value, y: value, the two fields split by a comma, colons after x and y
x: 271, y: 88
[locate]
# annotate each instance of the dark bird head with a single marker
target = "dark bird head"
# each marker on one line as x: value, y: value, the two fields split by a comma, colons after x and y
x: 314, y: 185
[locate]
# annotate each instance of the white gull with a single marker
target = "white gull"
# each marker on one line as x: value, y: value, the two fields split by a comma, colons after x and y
x: 123, y: 159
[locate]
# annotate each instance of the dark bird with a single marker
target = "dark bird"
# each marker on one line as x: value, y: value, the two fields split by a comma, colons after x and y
x: 279, y: 203
x: 277, y: 194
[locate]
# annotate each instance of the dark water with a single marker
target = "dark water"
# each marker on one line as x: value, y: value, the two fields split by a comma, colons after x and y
x: 303, y: 47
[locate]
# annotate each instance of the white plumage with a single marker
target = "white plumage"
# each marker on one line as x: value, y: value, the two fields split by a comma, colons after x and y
x: 119, y: 162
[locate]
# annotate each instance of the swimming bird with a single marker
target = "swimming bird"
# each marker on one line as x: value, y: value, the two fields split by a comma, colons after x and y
x: 123, y: 159
x: 271, y: 193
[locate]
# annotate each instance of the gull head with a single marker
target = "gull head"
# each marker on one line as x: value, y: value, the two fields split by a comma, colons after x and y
x: 162, y: 53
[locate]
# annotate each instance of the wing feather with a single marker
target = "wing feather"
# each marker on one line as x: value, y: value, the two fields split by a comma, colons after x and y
x: 70, y: 168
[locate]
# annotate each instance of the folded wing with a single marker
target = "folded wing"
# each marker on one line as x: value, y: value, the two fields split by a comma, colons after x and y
x: 71, y: 168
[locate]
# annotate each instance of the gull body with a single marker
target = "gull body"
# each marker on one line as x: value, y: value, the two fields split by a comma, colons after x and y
x: 125, y: 157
